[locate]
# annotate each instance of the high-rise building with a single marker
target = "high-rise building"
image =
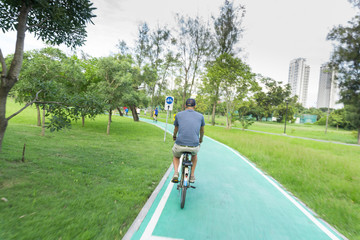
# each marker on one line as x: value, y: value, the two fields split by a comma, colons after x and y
x: 327, y: 87
x: 299, y: 79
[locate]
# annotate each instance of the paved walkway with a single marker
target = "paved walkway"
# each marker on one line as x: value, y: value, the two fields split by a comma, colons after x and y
x: 232, y: 200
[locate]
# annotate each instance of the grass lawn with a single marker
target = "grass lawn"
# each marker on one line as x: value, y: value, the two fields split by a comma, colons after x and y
x: 325, y: 176
x: 292, y: 129
x: 309, y: 131
x: 78, y: 183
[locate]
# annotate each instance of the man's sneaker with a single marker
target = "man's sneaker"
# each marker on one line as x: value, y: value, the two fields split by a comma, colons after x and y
x: 175, y: 178
x: 192, y: 179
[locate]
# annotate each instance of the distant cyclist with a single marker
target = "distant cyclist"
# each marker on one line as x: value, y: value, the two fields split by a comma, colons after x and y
x: 156, y: 112
x: 188, y: 134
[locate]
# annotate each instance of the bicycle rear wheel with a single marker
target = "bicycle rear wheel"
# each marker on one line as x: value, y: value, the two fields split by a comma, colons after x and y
x: 183, y: 196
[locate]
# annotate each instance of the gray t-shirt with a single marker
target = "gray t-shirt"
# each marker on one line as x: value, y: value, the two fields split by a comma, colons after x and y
x: 189, y: 123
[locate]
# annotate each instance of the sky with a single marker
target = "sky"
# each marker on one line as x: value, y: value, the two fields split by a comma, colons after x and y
x: 275, y: 31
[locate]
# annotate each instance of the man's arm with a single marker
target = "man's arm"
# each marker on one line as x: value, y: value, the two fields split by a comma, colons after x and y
x: 202, y: 131
x: 176, y: 129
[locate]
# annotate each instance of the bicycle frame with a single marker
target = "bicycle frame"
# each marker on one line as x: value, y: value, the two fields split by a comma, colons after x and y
x: 184, y: 183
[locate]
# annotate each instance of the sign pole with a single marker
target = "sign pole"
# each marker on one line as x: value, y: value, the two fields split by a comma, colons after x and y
x: 169, y: 101
x: 167, y: 116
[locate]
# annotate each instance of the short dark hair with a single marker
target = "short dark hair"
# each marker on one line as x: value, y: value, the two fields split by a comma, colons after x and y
x: 190, y: 102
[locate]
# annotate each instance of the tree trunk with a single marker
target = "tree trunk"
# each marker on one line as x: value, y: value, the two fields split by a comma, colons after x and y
x: 83, y: 121
x: 8, y: 79
x: 228, y: 122
x: 213, y: 114
x: 185, y: 89
x: 194, y: 75
x: 16, y: 63
x: 120, y: 112
x: 327, y: 121
x: 152, y: 101
x: 38, y: 115
x: 228, y: 118
x: 109, y: 122
x: 214, y: 106
x: 43, y: 123
x: 134, y: 113
x: 3, y: 120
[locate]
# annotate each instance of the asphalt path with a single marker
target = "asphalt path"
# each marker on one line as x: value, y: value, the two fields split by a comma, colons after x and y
x: 233, y: 200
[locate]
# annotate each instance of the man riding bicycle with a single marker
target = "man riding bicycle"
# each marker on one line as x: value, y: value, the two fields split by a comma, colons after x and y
x: 189, y: 124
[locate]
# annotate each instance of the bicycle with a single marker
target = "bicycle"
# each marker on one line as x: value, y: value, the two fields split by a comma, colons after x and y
x: 184, y: 183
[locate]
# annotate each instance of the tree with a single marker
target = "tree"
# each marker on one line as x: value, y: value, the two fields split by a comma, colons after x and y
x: 202, y: 104
x: 115, y: 77
x: 194, y: 46
x: 254, y: 109
x: 123, y: 48
x: 42, y: 72
x: 263, y: 107
x: 346, y: 60
x: 356, y: 3
x: 244, y: 118
x: 352, y: 116
x: 87, y: 100
x: 142, y: 45
x: 274, y: 95
x: 336, y: 119
x: 62, y: 90
x: 54, y: 22
x: 161, y: 60
x: 227, y: 34
x: 154, y: 58
x: 287, y: 110
x: 233, y: 79
x: 135, y: 95
x: 211, y: 87
x: 228, y: 28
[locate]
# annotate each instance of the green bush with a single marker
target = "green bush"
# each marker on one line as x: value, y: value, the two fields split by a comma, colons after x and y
x: 321, y: 121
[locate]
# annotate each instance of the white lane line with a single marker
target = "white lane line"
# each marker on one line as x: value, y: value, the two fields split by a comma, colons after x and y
x: 144, y: 211
x: 297, y: 204
x: 155, y: 217
x: 147, y: 234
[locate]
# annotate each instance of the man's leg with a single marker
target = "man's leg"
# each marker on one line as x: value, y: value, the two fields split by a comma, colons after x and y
x: 194, y: 161
x: 175, y: 177
x: 176, y: 162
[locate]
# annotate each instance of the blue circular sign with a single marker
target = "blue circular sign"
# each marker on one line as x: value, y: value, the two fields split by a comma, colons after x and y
x: 169, y: 100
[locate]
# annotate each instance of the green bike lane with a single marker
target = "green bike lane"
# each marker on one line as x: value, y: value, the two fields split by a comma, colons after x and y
x: 232, y: 200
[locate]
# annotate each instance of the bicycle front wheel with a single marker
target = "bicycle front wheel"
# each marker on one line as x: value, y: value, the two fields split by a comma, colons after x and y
x: 183, y: 196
